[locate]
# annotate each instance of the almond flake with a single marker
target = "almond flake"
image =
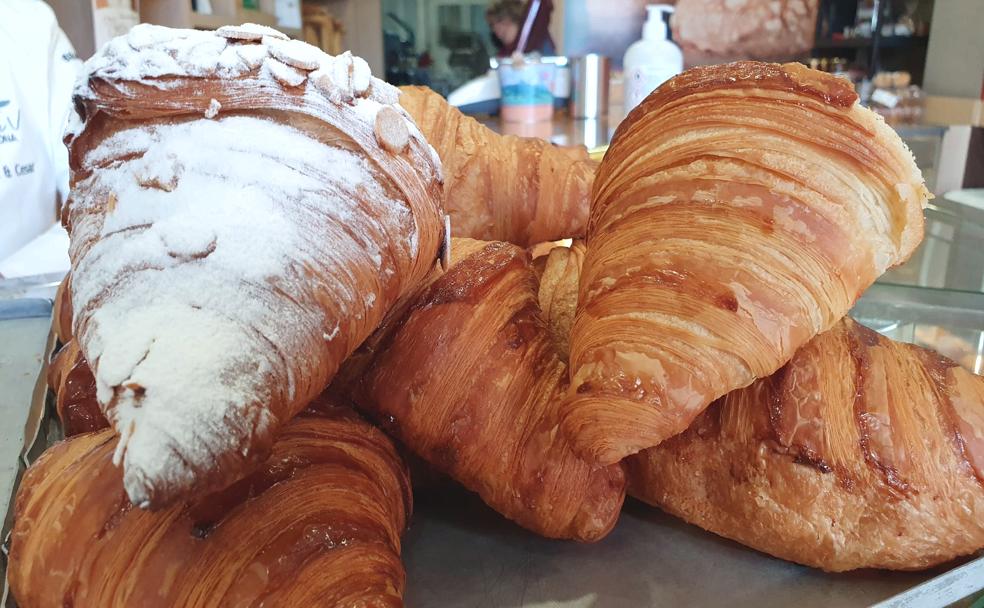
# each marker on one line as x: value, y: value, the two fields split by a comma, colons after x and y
x: 249, y: 31
x: 391, y: 130
x: 295, y: 53
x: 284, y: 74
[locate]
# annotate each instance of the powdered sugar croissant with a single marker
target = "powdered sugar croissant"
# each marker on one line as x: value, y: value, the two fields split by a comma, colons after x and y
x: 245, y: 210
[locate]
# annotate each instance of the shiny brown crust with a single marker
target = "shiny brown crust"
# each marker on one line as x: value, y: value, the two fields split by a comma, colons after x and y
x: 724, y: 234
x: 70, y: 378
x: 318, y: 524
x: 391, y: 241
x: 467, y: 375
x: 61, y: 320
x: 501, y: 187
x: 860, y: 452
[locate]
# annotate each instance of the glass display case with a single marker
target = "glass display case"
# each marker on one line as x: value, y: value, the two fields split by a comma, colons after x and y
x: 440, y: 43
x: 936, y: 299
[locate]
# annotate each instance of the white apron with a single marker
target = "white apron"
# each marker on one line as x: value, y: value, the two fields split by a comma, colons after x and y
x: 38, y: 68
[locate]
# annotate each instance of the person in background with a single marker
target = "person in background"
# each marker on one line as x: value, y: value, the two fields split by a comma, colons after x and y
x: 38, y: 68
x: 506, y: 19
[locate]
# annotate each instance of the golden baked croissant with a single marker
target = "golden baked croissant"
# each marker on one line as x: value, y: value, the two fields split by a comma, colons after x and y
x: 861, y: 452
x: 740, y: 211
x: 318, y: 523
x: 245, y: 210
x: 466, y: 374
x: 502, y: 188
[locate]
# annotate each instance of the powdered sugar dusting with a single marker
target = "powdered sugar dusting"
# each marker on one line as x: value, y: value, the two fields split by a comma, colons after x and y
x: 283, y: 73
x: 150, y: 53
x: 252, y: 54
x: 224, y: 264
x: 182, y: 347
x: 295, y: 53
x: 248, y: 31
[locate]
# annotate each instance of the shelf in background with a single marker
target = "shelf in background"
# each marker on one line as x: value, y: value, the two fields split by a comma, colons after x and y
x: 887, y: 42
x: 178, y: 13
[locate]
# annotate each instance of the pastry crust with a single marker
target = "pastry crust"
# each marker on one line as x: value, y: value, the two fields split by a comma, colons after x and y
x: 522, y: 190
x: 467, y: 375
x: 71, y: 379
x: 318, y: 523
x: 741, y: 210
x: 860, y: 452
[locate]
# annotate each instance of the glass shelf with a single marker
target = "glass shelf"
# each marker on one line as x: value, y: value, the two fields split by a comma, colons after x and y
x: 951, y: 255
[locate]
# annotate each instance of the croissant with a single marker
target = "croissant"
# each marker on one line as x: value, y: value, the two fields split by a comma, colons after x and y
x: 724, y: 235
x: 503, y: 188
x: 245, y: 210
x: 466, y: 374
x: 318, y: 523
x: 860, y: 452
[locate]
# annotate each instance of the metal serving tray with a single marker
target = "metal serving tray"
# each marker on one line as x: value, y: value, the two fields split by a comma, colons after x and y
x: 459, y: 553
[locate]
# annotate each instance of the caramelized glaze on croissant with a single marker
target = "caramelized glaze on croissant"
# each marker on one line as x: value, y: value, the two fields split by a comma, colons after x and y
x: 467, y: 375
x: 860, y: 452
x: 245, y: 210
x: 740, y: 211
x: 503, y: 188
x: 319, y: 523
x: 71, y: 379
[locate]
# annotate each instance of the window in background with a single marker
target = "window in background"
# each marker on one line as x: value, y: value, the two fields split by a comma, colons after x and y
x: 440, y: 43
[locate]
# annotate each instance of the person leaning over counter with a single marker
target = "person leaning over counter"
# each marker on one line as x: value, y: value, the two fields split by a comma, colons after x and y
x: 38, y: 68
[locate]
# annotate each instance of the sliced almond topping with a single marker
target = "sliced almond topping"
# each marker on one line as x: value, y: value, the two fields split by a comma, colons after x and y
x: 249, y: 31
x: 252, y: 54
x: 384, y: 93
x: 295, y: 53
x: 391, y: 130
x: 231, y: 61
x: 341, y: 72
x: 361, y: 75
x: 323, y: 81
x: 284, y: 74
x: 147, y: 35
